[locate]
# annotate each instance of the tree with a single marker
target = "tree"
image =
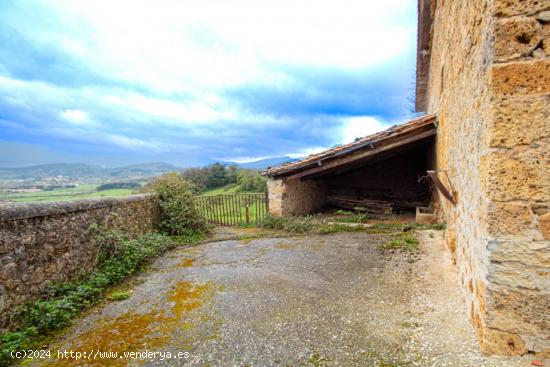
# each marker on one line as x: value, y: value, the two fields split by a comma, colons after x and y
x: 216, y: 176
x: 197, y: 176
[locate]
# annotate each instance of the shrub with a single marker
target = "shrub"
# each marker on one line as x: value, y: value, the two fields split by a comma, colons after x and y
x: 59, y: 303
x: 178, y: 214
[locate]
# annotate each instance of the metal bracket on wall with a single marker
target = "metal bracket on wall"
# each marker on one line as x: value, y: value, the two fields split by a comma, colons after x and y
x: 441, y: 187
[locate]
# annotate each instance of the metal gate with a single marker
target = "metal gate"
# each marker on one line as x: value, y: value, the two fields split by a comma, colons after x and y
x: 233, y: 210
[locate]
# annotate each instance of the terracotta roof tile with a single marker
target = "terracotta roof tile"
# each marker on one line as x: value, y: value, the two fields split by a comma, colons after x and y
x: 363, y: 143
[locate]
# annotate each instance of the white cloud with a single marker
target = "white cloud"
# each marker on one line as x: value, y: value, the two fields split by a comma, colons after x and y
x: 178, y: 45
x: 188, y: 111
x: 244, y: 159
x: 306, y: 151
x: 358, y: 127
x: 174, y: 75
x: 76, y: 117
x: 132, y: 143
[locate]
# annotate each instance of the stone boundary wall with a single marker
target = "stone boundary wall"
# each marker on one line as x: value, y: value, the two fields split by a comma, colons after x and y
x: 43, y: 242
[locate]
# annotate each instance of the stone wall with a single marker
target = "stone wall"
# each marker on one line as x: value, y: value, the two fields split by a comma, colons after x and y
x: 45, y: 242
x: 295, y: 197
x: 489, y: 83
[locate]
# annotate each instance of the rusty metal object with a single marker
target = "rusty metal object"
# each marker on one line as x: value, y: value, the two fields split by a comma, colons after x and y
x: 441, y: 187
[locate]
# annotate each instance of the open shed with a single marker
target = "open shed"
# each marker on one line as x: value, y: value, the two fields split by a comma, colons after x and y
x: 381, y: 172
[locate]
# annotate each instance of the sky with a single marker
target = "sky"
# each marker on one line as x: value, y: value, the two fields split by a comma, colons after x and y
x: 191, y: 82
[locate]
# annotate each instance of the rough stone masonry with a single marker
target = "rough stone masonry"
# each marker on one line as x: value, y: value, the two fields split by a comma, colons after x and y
x: 489, y: 83
x: 43, y: 242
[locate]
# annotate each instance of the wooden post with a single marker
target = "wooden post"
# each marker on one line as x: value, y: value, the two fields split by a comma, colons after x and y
x: 266, y: 202
x: 247, y: 214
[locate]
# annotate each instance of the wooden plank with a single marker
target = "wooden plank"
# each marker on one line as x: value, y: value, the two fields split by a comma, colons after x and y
x: 257, y: 204
x: 222, y: 217
x: 226, y: 211
x: 239, y: 201
x: 231, y: 211
x: 359, y: 156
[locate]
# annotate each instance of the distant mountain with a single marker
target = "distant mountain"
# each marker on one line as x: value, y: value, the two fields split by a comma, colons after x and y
x: 150, y: 169
x: 264, y: 163
x: 80, y: 170
x: 51, y: 170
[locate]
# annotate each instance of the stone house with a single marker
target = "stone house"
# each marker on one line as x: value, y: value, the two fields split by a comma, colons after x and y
x: 483, y: 79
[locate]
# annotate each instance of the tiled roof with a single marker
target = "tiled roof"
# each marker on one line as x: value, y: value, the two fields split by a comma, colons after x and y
x: 368, y: 142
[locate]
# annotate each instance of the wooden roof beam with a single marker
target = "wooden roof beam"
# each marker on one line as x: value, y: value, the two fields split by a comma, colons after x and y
x: 365, y: 154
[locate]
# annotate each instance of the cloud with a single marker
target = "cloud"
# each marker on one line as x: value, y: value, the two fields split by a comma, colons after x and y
x: 189, y: 81
x: 76, y: 117
x: 304, y: 152
x: 133, y: 143
x: 358, y: 127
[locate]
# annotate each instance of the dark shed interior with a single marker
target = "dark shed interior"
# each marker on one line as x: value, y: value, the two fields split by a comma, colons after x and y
x: 383, y: 173
x: 393, y: 183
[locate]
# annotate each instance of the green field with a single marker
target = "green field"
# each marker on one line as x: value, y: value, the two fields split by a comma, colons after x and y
x: 224, y: 190
x: 230, y: 189
x: 83, y: 191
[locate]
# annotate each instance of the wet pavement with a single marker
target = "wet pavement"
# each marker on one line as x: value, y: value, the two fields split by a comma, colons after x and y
x: 322, y: 300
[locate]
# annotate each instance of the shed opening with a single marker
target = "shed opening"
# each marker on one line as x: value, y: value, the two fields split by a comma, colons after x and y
x: 381, y: 173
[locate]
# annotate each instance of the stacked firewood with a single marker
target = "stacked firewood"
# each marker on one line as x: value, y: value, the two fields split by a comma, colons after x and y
x: 370, y: 205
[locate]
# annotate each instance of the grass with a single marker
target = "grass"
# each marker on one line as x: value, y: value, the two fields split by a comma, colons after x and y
x: 319, y: 224
x: 58, y: 303
x: 307, y: 224
x: 405, y: 241
x: 119, y: 295
x: 355, y: 218
x: 84, y: 191
x: 229, y: 189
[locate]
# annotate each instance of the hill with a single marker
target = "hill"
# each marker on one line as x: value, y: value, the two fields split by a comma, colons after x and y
x: 262, y: 164
x: 80, y: 170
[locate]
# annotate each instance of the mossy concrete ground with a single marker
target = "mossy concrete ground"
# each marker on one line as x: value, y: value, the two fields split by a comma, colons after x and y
x: 323, y: 300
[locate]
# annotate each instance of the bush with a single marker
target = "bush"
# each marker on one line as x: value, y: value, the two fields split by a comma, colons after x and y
x: 178, y: 214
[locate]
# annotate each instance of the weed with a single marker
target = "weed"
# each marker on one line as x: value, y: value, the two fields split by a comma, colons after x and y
x: 404, y: 241
x: 119, y: 256
x: 343, y: 212
x: 247, y: 239
x: 119, y: 295
x: 317, y: 360
x: 358, y: 218
x: 335, y: 228
x: 288, y: 224
x: 406, y: 226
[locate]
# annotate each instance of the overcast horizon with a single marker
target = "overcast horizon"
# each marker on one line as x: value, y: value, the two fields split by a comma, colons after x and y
x: 188, y: 83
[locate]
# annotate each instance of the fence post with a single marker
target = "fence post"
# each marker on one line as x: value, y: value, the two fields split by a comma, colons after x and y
x: 266, y: 202
x: 247, y: 214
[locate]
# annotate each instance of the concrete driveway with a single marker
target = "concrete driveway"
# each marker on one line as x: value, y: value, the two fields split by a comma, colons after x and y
x: 331, y: 300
